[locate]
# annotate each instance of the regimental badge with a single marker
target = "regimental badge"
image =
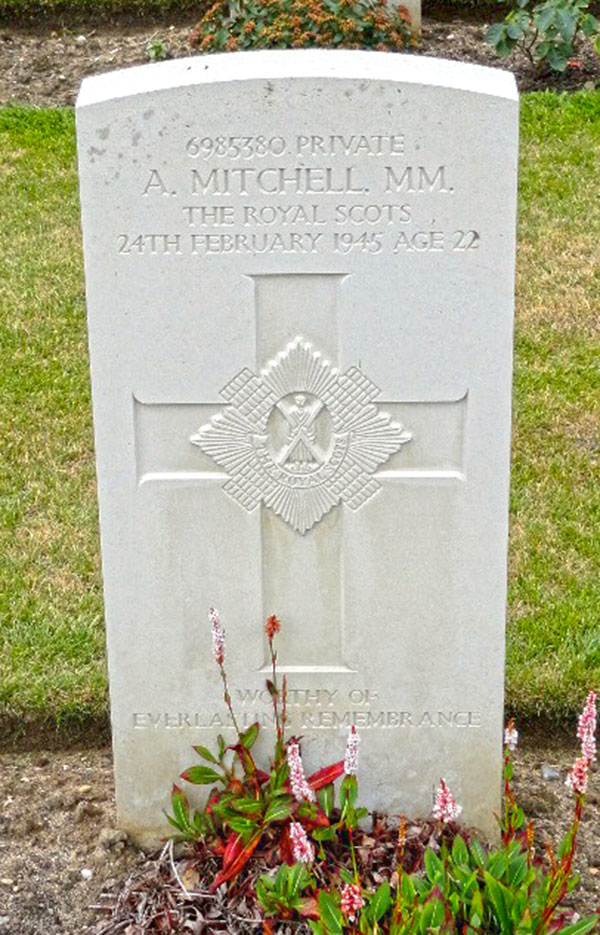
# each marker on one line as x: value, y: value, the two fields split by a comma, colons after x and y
x: 301, y: 437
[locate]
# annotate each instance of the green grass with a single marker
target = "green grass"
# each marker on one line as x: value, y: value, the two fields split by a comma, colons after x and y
x: 51, y: 636
x: 51, y: 660
x: 554, y: 600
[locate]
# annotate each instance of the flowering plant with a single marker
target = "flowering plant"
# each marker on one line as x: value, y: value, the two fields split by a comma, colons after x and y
x: 279, y: 24
x: 469, y: 888
x: 324, y: 868
x: 246, y: 805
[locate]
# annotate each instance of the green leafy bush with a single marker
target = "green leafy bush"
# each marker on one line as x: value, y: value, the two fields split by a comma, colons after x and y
x: 464, y: 890
x: 547, y: 32
x: 231, y: 25
x: 280, y: 896
x: 157, y: 50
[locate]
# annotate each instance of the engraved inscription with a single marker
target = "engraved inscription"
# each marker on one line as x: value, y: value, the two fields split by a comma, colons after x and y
x: 301, y: 437
x: 364, y: 195
x: 317, y: 719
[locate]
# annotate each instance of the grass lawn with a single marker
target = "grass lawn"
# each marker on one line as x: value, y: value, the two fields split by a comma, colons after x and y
x: 51, y: 633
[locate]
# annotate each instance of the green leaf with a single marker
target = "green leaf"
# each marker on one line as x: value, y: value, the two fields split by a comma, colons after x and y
x: 325, y: 834
x: 558, y: 58
x: 205, y: 753
x: 495, y: 33
x: 248, y: 738
x: 201, y: 775
x: 504, y: 47
x: 437, y: 916
x: 476, y: 909
x: 581, y: 927
x: 496, y: 864
x: 174, y: 824
x: 426, y: 917
x: 325, y: 797
x: 262, y: 890
x: 199, y: 822
x: 297, y: 880
x: 280, y: 879
x: 380, y: 902
x: 567, y: 24
x: 518, y: 817
x: 433, y: 865
x: 179, y: 804
x: 517, y: 871
x: 279, y: 809
x: 545, y: 18
x: 247, y: 806
x: 460, y: 853
x: 348, y: 790
x: 241, y: 825
x: 589, y: 25
x: 502, y: 902
x: 565, y: 844
x: 514, y: 30
x: 330, y: 914
x: 469, y: 884
x: 408, y: 889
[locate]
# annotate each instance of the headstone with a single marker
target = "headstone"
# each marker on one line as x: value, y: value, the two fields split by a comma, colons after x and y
x: 414, y: 9
x: 299, y: 276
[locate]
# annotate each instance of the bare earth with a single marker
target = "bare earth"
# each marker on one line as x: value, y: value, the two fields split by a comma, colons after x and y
x: 45, y: 67
x: 62, y: 861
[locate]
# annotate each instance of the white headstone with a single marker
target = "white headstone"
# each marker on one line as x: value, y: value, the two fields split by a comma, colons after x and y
x: 414, y: 9
x: 300, y: 290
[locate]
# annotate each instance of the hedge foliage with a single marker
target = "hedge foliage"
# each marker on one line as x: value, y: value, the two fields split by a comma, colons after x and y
x: 28, y: 12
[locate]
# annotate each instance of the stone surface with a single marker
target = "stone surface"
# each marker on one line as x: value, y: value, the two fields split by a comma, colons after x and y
x: 299, y: 274
x: 413, y: 7
x: 550, y: 773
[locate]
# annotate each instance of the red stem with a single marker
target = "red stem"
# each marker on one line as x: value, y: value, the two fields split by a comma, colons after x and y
x: 564, y: 869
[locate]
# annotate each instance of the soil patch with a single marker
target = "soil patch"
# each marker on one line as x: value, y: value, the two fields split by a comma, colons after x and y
x: 22, y: 734
x: 45, y: 66
x: 58, y: 844
x: 63, y: 863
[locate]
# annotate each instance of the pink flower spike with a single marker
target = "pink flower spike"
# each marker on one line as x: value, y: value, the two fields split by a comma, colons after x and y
x: 302, y: 850
x: 300, y: 788
x: 352, y: 901
x: 218, y: 636
x: 446, y: 807
x: 586, y: 729
x: 351, y: 758
x: 511, y: 737
x: 578, y: 777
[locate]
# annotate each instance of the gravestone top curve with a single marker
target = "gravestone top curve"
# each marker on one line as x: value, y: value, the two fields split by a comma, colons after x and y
x: 297, y: 63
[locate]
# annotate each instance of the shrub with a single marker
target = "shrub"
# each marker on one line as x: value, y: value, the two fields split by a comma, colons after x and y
x: 547, y: 32
x: 231, y: 25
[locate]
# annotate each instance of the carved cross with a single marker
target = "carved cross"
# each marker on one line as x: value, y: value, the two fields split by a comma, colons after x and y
x: 298, y: 441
